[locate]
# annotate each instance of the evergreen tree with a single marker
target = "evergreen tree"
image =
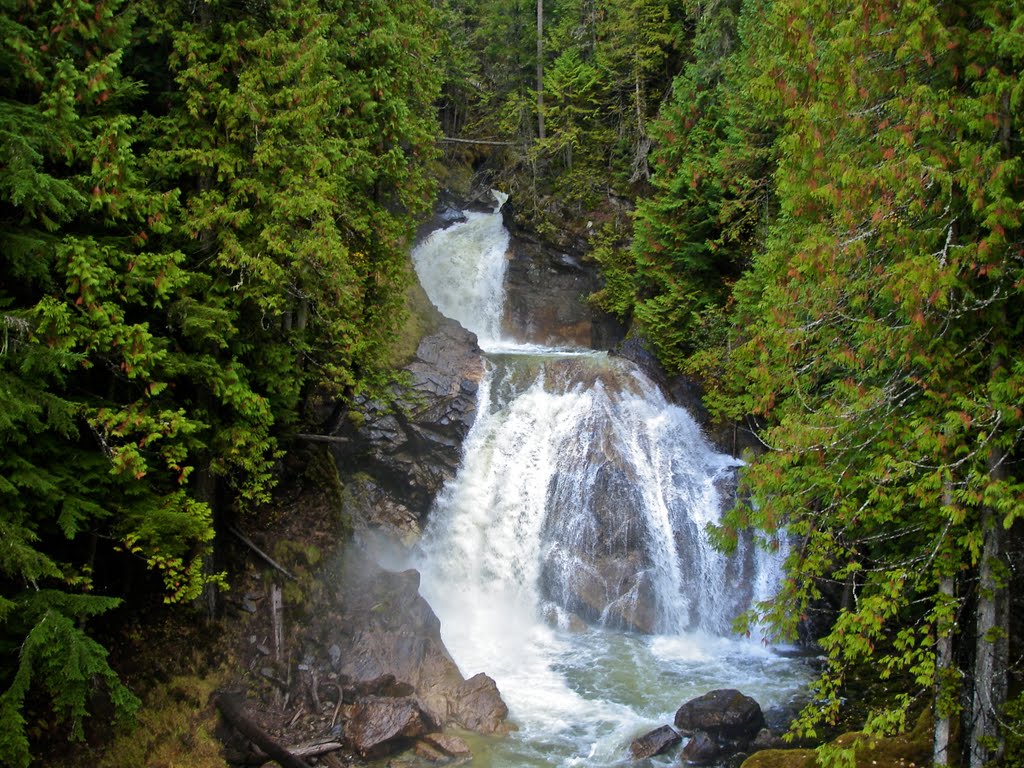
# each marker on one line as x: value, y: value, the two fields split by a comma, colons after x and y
x: 93, y: 448
x: 187, y: 253
x: 873, y: 334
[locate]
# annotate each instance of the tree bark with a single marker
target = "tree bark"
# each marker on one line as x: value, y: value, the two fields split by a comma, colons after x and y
x: 992, y: 649
x: 942, y: 744
x: 540, y: 69
x: 942, y: 751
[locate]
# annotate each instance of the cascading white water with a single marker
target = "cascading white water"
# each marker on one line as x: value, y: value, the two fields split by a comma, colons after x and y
x: 462, y: 269
x: 583, y: 495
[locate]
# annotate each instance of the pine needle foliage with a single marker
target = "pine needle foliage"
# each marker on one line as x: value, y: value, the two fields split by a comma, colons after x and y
x: 205, y: 210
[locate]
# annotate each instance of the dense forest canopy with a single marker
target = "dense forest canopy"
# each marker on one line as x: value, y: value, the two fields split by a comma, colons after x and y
x: 814, y: 207
x: 206, y: 210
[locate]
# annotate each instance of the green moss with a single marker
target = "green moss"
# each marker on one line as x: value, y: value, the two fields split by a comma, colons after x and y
x: 300, y: 559
x: 422, y: 319
x: 906, y: 750
x: 175, y: 729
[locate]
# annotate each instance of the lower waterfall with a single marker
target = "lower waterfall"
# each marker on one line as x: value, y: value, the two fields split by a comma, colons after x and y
x: 569, y: 558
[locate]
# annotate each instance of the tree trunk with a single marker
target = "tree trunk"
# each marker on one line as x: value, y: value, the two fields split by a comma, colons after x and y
x: 540, y: 69
x: 945, y: 689
x: 992, y: 650
x: 942, y: 751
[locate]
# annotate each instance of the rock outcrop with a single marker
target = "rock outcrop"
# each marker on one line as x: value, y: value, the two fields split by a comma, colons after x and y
x: 404, y: 452
x: 546, y: 294
x: 386, y: 630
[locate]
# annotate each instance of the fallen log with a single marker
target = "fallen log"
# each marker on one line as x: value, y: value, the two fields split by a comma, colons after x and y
x: 314, y: 748
x: 231, y: 707
x: 323, y: 438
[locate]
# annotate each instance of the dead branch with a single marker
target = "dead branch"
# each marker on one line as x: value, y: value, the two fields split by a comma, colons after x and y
x: 323, y: 438
x: 491, y: 142
x: 267, y: 558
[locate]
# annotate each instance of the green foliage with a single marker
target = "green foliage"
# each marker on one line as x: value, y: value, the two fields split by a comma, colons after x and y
x: 833, y: 239
x: 868, y: 338
x: 576, y: 140
x: 711, y: 193
x: 606, y: 67
x: 205, y: 212
x: 610, y: 250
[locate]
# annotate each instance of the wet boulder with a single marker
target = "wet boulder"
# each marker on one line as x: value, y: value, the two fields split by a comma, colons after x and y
x: 478, y: 706
x: 701, y: 749
x: 725, y: 714
x: 378, y: 725
x: 655, y: 742
x: 449, y: 745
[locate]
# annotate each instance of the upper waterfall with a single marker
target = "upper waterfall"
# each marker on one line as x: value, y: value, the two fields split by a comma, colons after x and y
x: 462, y: 269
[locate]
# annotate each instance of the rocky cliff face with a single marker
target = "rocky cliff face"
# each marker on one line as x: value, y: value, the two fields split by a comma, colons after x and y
x: 399, y: 456
x: 546, y: 290
x: 386, y: 639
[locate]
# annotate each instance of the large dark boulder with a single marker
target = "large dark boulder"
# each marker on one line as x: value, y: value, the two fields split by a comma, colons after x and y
x: 387, y: 640
x: 378, y: 725
x: 654, y: 742
x: 725, y: 714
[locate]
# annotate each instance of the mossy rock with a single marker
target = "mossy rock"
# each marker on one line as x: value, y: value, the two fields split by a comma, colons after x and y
x: 907, y: 750
x: 422, y: 319
x: 782, y: 758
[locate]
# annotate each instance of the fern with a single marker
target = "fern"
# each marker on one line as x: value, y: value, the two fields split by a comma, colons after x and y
x: 60, y: 659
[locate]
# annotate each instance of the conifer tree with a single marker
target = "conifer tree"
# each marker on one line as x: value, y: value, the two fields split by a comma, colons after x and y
x: 93, y: 447
x: 873, y: 332
x: 186, y: 254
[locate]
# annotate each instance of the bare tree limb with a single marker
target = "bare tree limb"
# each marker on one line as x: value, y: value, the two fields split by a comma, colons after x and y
x: 323, y: 438
x: 267, y: 558
x: 453, y: 140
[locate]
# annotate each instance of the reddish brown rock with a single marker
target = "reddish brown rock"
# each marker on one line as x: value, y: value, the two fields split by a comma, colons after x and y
x: 478, y: 706
x: 654, y: 742
x: 379, y: 725
x: 449, y: 744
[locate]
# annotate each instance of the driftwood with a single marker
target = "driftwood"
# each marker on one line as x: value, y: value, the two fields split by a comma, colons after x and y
x: 231, y: 707
x: 314, y: 748
x: 277, y: 621
x: 267, y: 558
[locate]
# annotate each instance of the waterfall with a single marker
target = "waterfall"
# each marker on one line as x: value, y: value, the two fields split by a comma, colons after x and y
x: 582, y: 500
x: 462, y: 269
